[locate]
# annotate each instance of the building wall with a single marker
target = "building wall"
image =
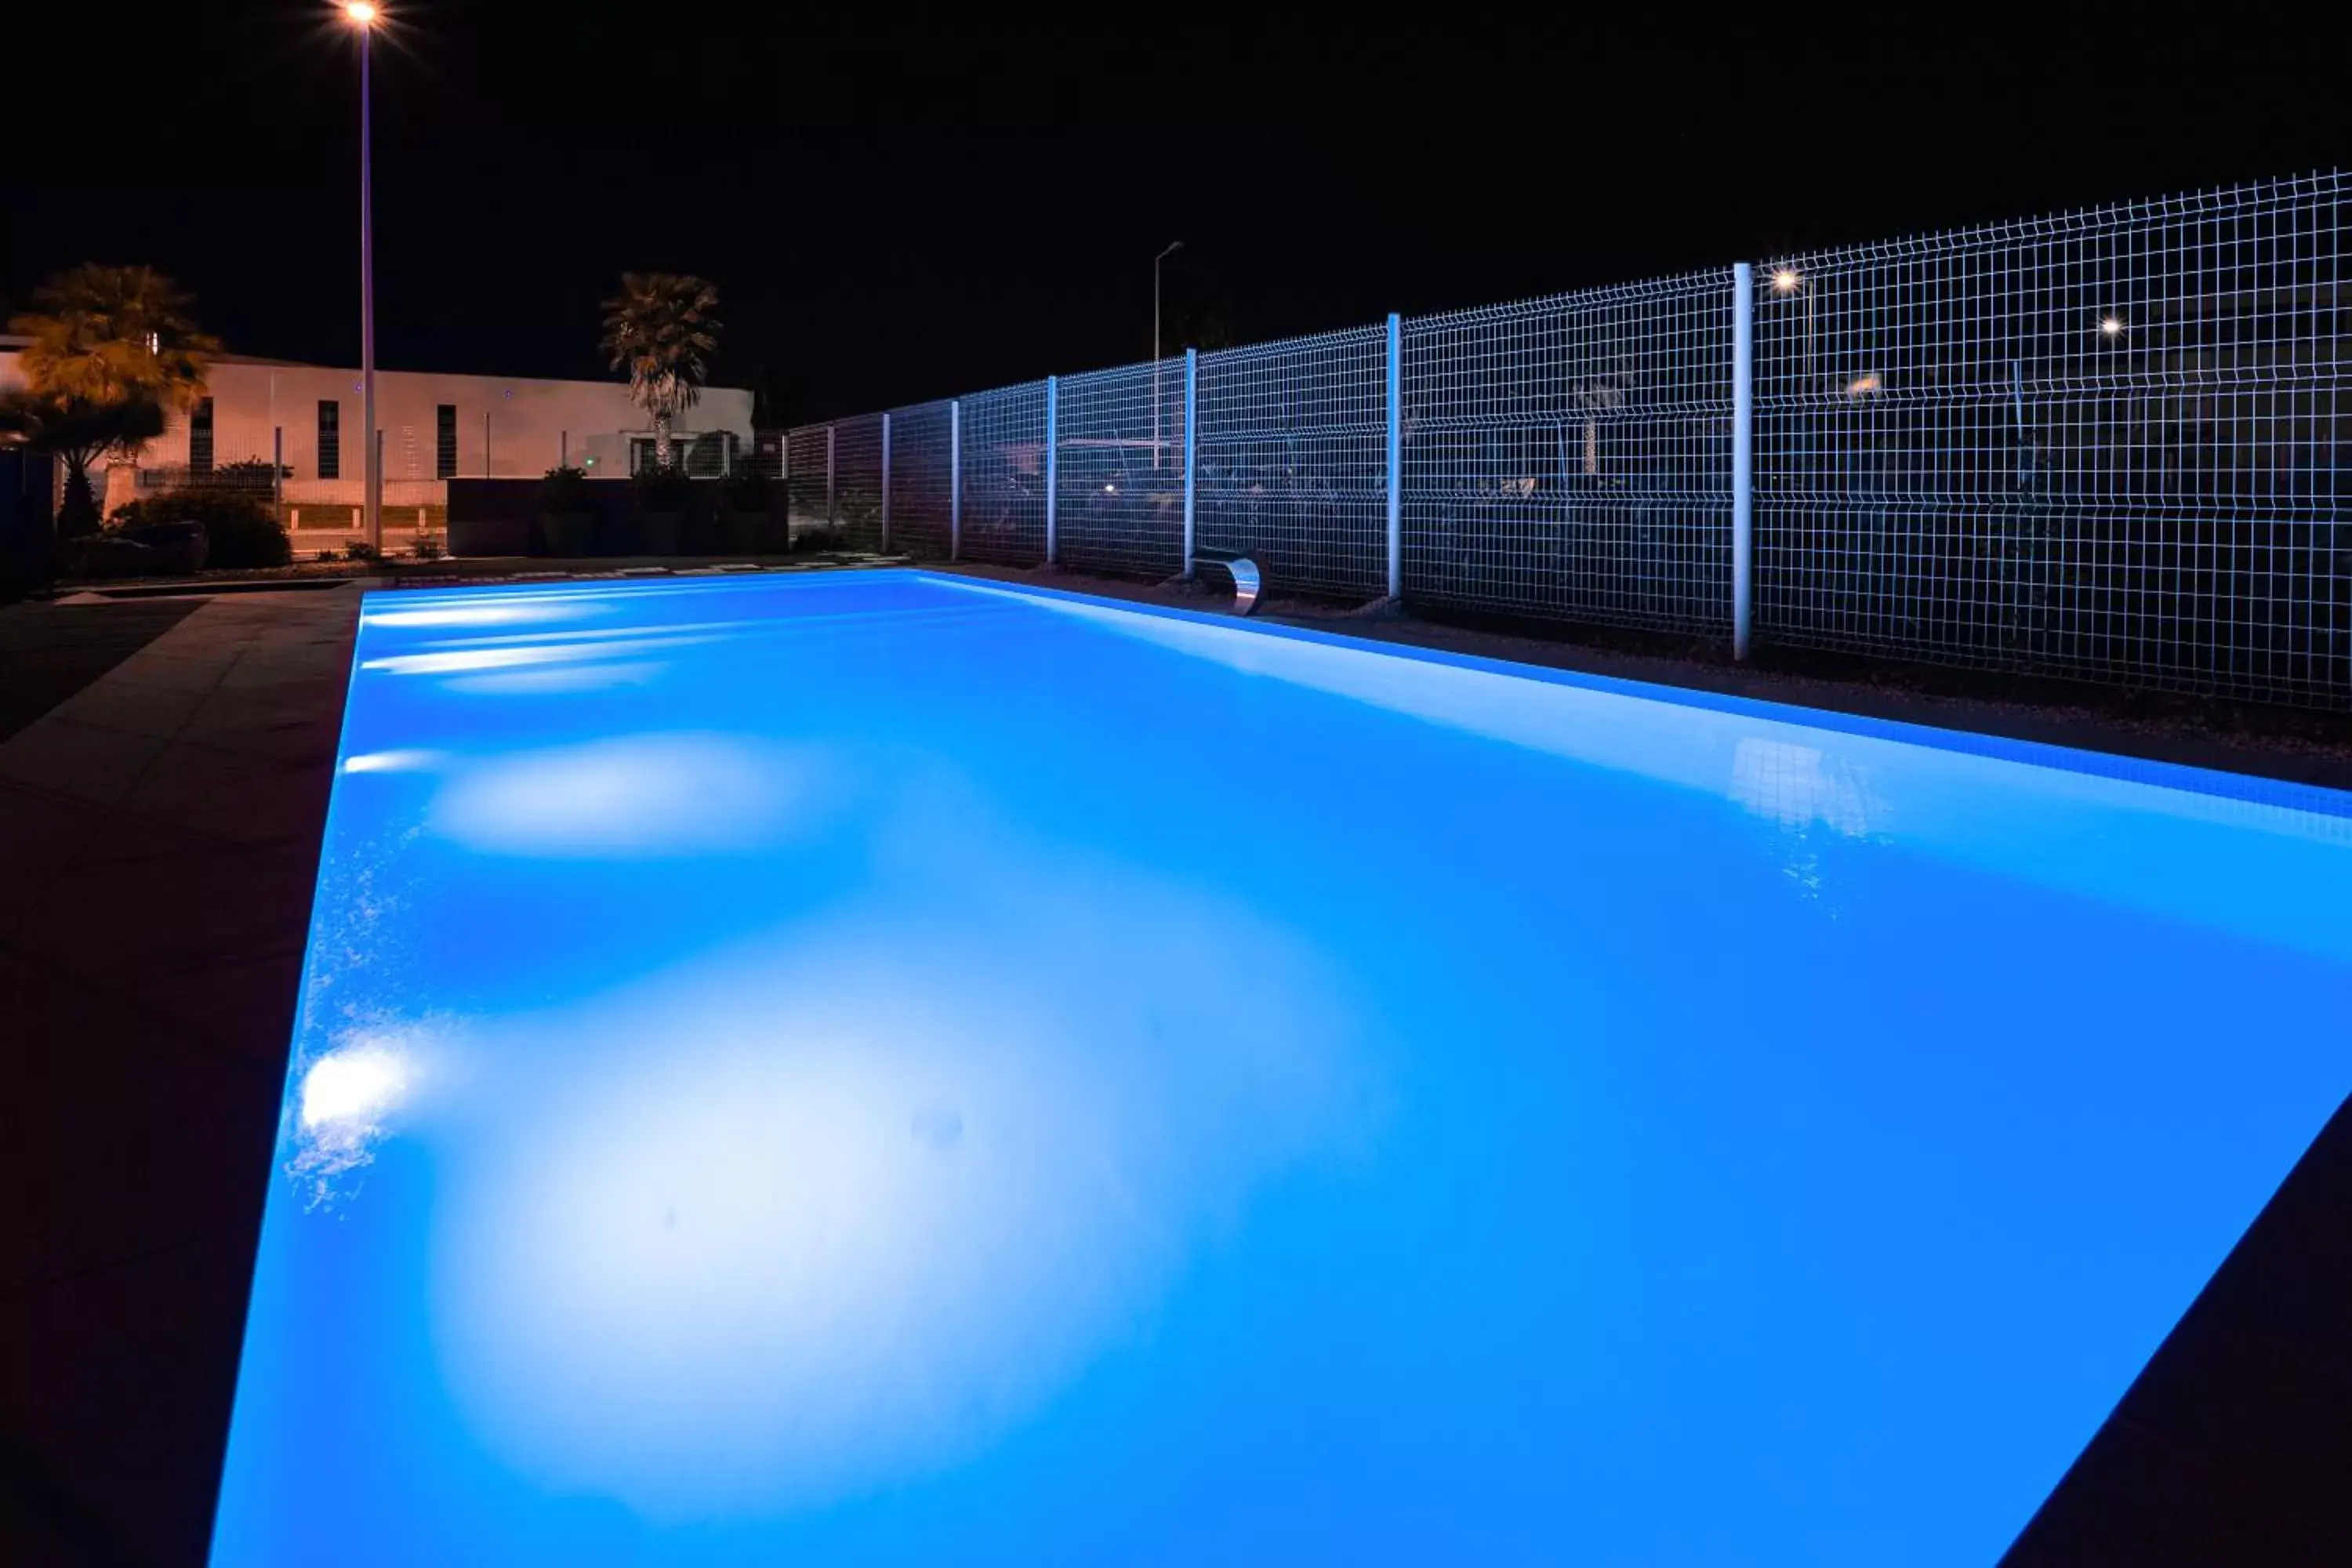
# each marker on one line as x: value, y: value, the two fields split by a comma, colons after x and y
x: 508, y: 427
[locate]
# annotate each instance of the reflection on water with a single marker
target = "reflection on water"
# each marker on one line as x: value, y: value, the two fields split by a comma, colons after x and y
x: 1797, y: 786
x: 779, y: 1225
x: 636, y: 796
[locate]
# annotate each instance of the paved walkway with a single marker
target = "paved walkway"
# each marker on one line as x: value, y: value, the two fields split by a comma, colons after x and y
x: 158, y: 839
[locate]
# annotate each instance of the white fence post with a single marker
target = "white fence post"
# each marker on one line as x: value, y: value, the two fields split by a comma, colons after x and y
x: 1191, y: 387
x: 885, y: 484
x: 1053, y: 460
x: 955, y: 478
x: 832, y: 509
x: 1743, y: 454
x: 1396, y: 457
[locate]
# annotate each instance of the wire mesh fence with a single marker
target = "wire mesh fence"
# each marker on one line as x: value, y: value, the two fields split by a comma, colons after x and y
x: 1572, y: 456
x: 2108, y: 444
x: 921, y: 494
x: 1120, y: 450
x: 858, y: 481
x: 1291, y: 459
x: 809, y: 476
x: 1003, y: 464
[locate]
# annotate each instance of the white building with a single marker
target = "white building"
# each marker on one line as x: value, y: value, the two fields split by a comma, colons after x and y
x: 436, y: 428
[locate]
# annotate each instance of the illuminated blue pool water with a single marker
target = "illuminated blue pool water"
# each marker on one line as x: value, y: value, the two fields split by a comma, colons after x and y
x: 881, y: 1068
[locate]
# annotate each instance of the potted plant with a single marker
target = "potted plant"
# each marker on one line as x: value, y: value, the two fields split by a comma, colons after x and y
x: 747, y: 502
x: 567, y: 518
x: 663, y: 496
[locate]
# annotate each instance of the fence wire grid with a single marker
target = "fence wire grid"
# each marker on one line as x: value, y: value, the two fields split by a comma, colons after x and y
x: 2108, y: 444
x: 858, y: 481
x: 1119, y: 498
x: 1572, y: 456
x: 1003, y: 475
x: 921, y: 497
x: 1291, y: 455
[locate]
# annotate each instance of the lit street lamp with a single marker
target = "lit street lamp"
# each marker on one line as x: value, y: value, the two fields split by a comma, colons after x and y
x: 1788, y: 281
x: 364, y: 16
x: 1156, y: 260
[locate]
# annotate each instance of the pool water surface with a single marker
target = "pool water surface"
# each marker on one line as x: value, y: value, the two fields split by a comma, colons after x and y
x: 879, y: 1066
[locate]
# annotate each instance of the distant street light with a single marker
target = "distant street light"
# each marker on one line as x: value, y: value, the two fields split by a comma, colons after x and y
x: 364, y: 16
x: 2111, y: 326
x: 1156, y: 260
x: 1788, y: 281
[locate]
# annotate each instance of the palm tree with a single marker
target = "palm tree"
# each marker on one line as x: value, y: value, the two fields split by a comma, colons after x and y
x: 114, y: 334
x: 663, y: 329
x: 76, y: 430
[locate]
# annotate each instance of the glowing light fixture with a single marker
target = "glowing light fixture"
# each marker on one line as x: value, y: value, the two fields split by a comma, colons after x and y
x: 2111, y: 326
x: 359, y: 14
x: 1785, y: 281
x: 352, y: 1087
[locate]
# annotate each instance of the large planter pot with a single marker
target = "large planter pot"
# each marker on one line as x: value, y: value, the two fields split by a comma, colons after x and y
x: 751, y: 534
x: 568, y: 533
x: 660, y: 533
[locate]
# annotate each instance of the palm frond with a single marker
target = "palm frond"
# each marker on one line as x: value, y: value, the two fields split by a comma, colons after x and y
x: 662, y: 330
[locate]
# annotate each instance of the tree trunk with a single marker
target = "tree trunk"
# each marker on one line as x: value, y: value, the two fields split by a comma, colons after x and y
x: 78, y: 512
x: 661, y: 441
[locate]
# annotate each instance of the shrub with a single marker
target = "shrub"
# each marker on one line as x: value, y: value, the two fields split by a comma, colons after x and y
x: 747, y: 489
x: 664, y: 489
x: 427, y: 547
x: 360, y: 550
x: 564, y: 492
x: 239, y: 530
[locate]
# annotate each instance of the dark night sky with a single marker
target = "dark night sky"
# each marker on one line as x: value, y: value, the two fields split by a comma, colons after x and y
x: 903, y: 212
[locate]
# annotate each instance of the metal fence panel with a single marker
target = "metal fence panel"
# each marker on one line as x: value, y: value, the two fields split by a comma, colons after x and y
x: 1291, y: 455
x: 921, y: 502
x: 1004, y: 475
x: 805, y: 484
x: 1120, y: 469
x: 1570, y: 457
x: 858, y: 481
x: 2109, y: 444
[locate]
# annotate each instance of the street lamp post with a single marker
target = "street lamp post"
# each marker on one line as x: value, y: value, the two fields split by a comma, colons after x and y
x: 1156, y: 260
x: 364, y: 16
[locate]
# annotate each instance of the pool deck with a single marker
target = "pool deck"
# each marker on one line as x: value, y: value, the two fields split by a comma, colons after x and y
x: 163, y: 781
x: 159, y: 838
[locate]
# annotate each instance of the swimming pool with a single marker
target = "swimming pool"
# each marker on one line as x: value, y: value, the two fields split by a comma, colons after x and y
x: 881, y: 1066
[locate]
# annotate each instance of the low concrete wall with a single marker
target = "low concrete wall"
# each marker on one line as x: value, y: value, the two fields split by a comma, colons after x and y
x: 501, y: 517
x: 26, y: 483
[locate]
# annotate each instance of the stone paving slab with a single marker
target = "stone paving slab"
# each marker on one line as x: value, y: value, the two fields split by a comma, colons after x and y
x: 159, y: 843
